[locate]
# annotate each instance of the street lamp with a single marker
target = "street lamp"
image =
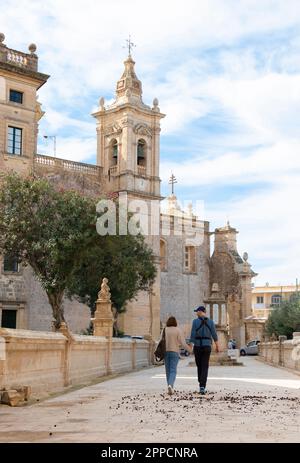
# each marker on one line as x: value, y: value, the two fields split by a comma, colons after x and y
x: 54, y: 142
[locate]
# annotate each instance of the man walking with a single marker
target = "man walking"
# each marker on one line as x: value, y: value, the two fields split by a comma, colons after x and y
x: 203, y: 331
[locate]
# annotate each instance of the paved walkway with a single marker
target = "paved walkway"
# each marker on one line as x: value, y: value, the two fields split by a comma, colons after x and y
x: 250, y: 403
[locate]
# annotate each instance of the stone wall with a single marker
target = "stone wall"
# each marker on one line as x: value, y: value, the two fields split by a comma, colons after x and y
x: 21, y: 291
x: 255, y: 328
x: 181, y: 292
x: 282, y: 353
x: 48, y: 362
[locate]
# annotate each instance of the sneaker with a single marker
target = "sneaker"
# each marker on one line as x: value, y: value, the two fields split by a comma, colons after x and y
x: 170, y: 390
x: 202, y: 390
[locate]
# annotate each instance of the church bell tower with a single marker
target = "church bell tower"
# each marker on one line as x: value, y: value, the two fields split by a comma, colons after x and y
x: 128, y: 137
x: 128, y: 133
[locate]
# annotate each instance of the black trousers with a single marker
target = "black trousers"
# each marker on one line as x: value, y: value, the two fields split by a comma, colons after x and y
x: 202, y: 355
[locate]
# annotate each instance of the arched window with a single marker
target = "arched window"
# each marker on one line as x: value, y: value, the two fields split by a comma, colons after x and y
x: 114, y: 152
x: 163, y: 255
x: 276, y: 300
x: 141, y: 153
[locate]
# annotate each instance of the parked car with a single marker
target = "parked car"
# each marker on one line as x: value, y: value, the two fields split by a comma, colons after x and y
x: 250, y: 349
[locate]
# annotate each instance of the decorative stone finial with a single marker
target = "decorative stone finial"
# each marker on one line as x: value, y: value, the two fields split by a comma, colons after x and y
x: 101, y: 103
x: 245, y: 256
x: 155, y: 105
x: 190, y: 209
x: 2, y: 37
x: 32, y: 48
x: 215, y: 288
x: 104, y: 293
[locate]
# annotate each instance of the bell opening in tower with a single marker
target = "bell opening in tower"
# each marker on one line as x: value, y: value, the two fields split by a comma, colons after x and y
x: 141, y: 153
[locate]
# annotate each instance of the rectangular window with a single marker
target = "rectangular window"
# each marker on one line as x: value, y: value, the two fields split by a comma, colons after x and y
x: 15, y: 96
x: 9, y: 319
x: 190, y: 259
x: 259, y: 300
x: 14, y: 140
x: 10, y: 263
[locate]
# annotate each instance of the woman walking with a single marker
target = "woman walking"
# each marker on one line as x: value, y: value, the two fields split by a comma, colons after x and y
x: 174, y: 340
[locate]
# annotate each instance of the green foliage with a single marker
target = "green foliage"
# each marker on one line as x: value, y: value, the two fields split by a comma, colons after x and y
x: 284, y: 320
x: 55, y: 233
x: 48, y: 229
x: 125, y: 260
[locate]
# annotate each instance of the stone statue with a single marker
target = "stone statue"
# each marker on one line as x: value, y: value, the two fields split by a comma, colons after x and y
x: 102, y: 103
x: 215, y: 288
x: 104, y: 293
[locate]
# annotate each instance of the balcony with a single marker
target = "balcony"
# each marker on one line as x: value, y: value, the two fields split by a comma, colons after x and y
x: 26, y: 61
x: 141, y: 170
x: 65, y: 164
x: 113, y: 170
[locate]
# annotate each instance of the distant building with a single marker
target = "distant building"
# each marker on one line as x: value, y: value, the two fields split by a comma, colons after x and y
x: 264, y: 298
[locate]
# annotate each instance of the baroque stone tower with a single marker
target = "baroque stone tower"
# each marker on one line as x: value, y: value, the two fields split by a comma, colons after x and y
x: 128, y: 138
x: 233, y: 275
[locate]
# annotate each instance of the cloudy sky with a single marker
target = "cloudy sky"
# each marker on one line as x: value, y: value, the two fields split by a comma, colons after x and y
x: 226, y: 73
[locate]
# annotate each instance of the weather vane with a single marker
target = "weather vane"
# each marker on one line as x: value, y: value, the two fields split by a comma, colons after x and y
x: 172, y: 181
x: 129, y: 45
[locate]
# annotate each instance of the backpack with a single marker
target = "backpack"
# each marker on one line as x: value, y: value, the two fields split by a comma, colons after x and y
x: 161, y: 348
x: 203, y: 323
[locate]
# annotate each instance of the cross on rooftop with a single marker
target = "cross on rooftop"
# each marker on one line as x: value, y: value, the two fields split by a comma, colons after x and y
x: 172, y: 181
x: 129, y: 45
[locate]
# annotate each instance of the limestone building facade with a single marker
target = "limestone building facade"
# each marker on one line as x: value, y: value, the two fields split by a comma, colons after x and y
x: 128, y: 158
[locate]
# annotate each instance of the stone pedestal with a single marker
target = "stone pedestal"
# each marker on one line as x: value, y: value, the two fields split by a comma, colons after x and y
x: 221, y: 358
x: 103, y: 319
x: 222, y: 338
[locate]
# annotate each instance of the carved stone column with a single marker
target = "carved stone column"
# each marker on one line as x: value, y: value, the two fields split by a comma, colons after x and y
x: 104, y: 319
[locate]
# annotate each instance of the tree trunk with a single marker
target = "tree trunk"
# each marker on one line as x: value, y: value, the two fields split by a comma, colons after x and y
x: 115, y: 323
x: 55, y: 300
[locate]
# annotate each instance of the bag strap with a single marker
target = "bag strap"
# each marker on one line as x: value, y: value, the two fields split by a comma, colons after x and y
x: 204, y: 323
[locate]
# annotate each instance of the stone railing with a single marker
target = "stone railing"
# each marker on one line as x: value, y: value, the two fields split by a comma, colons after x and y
x: 141, y: 170
x: 27, y: 61
x: 113, y: 170
x: 58, y: 163
x: 285, y: 353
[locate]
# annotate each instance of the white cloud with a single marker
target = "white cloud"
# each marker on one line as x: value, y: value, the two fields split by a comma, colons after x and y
x: 269, y: 223
x: 77, y: 149
x: 269, y: 164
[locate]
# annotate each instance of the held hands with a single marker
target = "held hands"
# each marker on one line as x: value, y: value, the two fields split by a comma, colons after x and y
x: 191, y: 350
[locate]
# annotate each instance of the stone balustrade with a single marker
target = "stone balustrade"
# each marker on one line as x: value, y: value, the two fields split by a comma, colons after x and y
x: 141, y: 170
x: 27, y: 61
x: 113, y: 170
x: 64, y: 164
x: 285, y: 353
